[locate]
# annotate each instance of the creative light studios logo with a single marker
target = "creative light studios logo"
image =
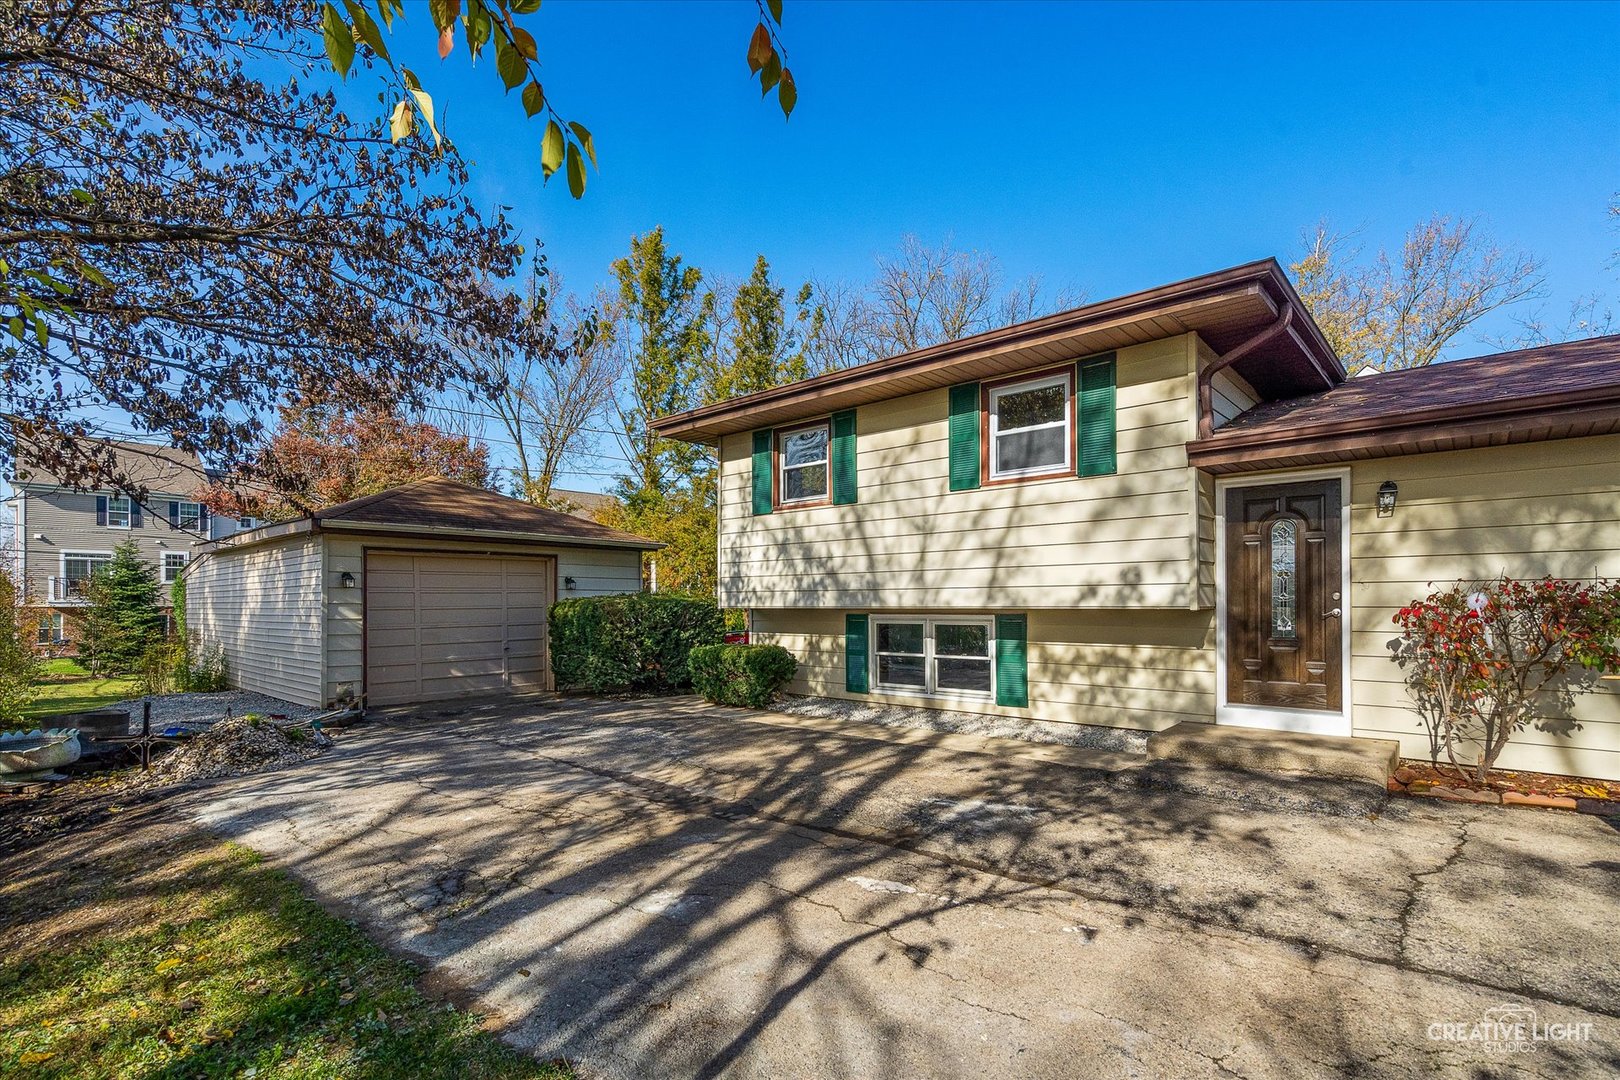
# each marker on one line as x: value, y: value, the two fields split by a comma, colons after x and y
x: 1508, y: 1029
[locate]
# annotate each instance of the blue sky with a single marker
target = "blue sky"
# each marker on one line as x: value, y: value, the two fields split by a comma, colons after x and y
x: 1108, y: 147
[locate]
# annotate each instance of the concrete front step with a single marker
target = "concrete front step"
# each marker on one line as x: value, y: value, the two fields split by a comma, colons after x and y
x: 1372, y: 761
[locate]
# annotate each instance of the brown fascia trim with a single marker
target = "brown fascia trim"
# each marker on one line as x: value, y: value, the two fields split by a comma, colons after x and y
x: 268, y: 533
x: 1395, y: 432
x: 1267, y: 273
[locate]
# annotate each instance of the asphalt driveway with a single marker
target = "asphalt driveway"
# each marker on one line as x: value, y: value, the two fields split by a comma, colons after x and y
x: 660, y: 889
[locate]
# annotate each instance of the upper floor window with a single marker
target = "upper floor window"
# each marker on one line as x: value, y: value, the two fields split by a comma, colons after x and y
x: 173, y: 563
x: 1031, y: 427
x: 247, y: 523
x: 188, y: 516
x: 802, y: 464
x: 118, y: 512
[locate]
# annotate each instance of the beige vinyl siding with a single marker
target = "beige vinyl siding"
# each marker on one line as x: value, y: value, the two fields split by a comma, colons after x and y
x: 1231, y: 396
x: 1526, y: 510
x: 262, y: 606
x: 596, y: 572
x: 1119, y: 541
x: 1144, y: 669
x: 67, y: 520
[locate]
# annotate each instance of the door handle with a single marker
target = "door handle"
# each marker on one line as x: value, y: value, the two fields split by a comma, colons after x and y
x: 1334, y: 614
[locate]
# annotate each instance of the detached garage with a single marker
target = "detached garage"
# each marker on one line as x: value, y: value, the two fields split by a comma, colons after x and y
x: 424, y: 592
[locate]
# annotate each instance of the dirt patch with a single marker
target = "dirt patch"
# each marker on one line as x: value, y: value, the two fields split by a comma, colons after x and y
x: 233, y: 748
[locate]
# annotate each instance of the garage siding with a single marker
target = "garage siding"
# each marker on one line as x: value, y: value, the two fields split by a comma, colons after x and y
x: 596, y: 572
x: 262, y: 606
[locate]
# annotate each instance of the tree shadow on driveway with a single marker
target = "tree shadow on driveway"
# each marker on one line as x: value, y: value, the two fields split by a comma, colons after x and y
x: 665, y: 888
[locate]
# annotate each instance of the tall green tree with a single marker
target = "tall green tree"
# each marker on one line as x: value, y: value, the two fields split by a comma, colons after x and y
x: 659, y: 327
x: 761, y: 346
x: 123, y: 617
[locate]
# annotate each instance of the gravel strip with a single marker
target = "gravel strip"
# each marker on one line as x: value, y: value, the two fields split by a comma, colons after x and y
x: 204, y: 710
x: 1091, y: 736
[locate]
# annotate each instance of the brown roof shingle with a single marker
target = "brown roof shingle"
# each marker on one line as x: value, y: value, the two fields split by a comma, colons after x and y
x: 1552, y: 391
x: 441, y: 505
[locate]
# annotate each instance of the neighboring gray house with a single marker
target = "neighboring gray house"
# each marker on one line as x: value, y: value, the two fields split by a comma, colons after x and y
x: 62, y: 534
x: 428, y: 591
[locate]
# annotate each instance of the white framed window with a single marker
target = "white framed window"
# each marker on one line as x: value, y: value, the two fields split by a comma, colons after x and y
x: 173, y: 563
x: 247, y: 523
x: 950, y: 656
x: 50, y: 629
x: 77, y: 569
x: 118, y: 511
x: 803, y: 472
x: 188, y: 516
x: 1031, y: 427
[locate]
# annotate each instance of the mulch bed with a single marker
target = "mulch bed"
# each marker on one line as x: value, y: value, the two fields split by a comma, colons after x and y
x: 1508, y: 788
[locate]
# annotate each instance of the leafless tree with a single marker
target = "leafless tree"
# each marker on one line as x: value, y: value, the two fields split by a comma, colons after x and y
x: 548, y: 395
x: 1402, y: 310
x: 921, y: 296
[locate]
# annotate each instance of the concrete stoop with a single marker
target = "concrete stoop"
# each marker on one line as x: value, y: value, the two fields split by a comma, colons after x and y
x: 1256, y: 750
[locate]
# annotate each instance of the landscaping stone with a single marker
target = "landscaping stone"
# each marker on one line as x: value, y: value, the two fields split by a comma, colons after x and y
x: 1600, y: 807
x: 1405, y: 775
x: 1548, y: 802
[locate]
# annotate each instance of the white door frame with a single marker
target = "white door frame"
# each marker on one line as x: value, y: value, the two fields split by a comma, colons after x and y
x: 1308, y: 721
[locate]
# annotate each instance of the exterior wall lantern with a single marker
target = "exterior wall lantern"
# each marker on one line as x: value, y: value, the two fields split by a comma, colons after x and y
x: 1387, y: 494
x: 346, y: 580
x: 568, y: 583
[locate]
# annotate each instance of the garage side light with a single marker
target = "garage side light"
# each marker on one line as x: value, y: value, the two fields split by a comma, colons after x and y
x: 346, y: 580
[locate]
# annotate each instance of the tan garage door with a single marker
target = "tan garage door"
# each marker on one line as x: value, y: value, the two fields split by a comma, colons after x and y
x: 445, y: 626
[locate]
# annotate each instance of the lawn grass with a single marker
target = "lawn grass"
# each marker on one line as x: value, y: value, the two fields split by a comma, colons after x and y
x: 184, y: 957
x: 66, y: 686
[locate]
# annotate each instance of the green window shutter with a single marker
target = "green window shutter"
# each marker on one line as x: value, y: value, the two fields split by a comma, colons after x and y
x: 855, y: 663
x: 762, y: 471
x: 1012, y: 664
x: 965, y: 437
x: 843, y: 458
x: 1096, y: 439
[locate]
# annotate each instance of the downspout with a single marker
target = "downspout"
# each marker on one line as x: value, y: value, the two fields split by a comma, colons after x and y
x: 1206, y: 378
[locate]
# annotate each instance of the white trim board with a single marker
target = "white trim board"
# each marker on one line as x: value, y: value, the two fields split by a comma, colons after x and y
x: 1307, y: 721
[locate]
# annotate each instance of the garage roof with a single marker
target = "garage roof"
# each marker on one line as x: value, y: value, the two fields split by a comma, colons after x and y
x: 444, y: 508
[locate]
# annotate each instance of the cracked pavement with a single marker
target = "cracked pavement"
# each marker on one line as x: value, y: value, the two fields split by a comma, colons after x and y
x: 663, y: 888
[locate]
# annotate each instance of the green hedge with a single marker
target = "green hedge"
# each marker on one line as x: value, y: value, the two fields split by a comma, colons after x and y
x: 741, y: 674
x: 639, y: 642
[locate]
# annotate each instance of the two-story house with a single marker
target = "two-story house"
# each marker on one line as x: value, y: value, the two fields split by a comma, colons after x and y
x: 63, y: 534
x: 1169, y: 506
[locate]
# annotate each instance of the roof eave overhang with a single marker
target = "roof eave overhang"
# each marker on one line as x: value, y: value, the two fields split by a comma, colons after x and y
x: 504, y: 535
x: 1263, y: 281
x: 1544, y: 417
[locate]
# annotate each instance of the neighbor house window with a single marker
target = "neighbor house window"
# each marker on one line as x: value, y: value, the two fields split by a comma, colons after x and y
x: 1031, y: 427
x: 77, y: 569
x: 247, y: 523
x: 948, y: 656
x: 188, y: 516
x: 118, y: 511
x: 50, y: 629
x: 173, y: 563
x: 802, y: 470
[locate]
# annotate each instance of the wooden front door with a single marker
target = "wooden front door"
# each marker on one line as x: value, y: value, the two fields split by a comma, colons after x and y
x: 1283, y: 604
